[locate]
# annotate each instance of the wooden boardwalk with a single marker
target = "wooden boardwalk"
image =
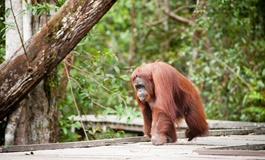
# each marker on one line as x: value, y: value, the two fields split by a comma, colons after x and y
x: 205, y: 148
x: 226, y: 140
x: 136, y: 124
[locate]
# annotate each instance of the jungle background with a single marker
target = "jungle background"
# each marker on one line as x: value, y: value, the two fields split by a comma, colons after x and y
x: 218, y: 45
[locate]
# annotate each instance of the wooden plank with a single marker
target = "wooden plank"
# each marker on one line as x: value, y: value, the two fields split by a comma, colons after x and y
x: 241, y: 150
x: 82, y: 144
x: 224, y: 132
x: 260, y: 153
x: 106, y: 142
x: 213, y: 124
x: 179, y: 150
x: 254, y: 147
x: 220, y: 124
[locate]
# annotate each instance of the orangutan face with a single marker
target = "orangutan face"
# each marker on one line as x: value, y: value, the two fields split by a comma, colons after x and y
x: 143, y: 90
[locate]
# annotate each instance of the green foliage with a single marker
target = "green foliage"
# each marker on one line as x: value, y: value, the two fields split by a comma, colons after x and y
x: 2, y: 31
x: 39, y: 9
x: 216, y: 53
x: 254, y: 99
x: 231, y: 66
x: 222, y: 53
x: 66, y: 126
x: 97, y: 132
x: 97, y: 80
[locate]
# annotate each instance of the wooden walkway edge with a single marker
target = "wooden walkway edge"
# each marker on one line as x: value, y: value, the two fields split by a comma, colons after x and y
x: 244, y: 150
x: 80, y: 144
x: 230, y: 147
x: 109, y: 142
x: 217, y: 152
x: 136, y: 124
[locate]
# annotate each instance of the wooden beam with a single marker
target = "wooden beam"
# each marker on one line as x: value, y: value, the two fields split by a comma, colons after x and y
x: 217, y: 152
x: 82, y: 144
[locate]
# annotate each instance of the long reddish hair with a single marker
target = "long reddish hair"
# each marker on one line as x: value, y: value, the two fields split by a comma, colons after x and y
x: 168, y: 83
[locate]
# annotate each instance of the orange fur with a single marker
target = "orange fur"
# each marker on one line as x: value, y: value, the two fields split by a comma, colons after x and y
x: 174, y: 98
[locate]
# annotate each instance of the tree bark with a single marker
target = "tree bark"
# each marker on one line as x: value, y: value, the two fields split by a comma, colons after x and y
x: 22, y: 72
x: 34, y: 121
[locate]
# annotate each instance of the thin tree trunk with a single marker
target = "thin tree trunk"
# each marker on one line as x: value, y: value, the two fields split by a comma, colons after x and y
x: 132, y: 39
x: 12, y: 32
x: 13, y: 41
x: 46, y: 49
x: 39, y: 119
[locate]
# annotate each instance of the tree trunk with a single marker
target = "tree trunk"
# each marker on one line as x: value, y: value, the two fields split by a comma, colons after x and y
x: 34, y: 121
x: 46, y: 49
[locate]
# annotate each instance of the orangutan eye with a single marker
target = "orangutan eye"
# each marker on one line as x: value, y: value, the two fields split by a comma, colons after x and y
x: 139, y: 86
